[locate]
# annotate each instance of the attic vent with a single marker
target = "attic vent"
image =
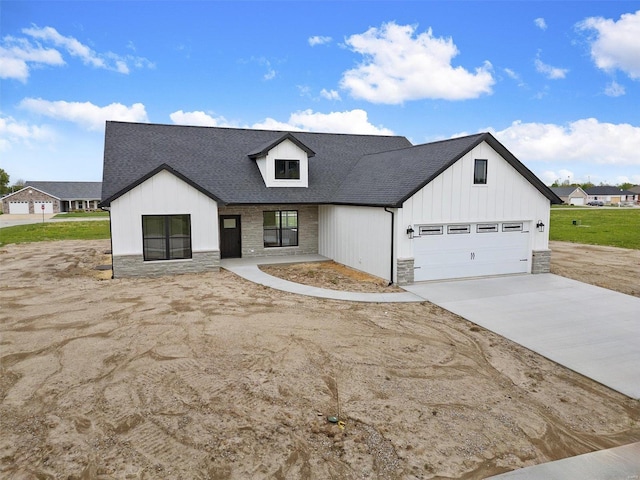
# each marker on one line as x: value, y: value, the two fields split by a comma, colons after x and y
x: 455, y: 229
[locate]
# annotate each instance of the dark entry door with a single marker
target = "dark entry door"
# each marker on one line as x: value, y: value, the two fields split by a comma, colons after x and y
x: 230, y: 245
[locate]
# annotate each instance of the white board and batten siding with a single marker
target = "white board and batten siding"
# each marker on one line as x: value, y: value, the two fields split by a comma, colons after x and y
x: 485, y: 229
x: 286, y: 150
x: 359, y: 237
x: 163, y: 194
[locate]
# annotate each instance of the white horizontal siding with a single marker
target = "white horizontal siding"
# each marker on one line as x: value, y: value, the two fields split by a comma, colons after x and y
x: 358, y: 237
x: 163, y: 194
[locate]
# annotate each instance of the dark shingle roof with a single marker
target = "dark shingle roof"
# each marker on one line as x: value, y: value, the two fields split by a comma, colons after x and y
x: 70, y: 190
x: 607, y: 190
x: 347, y: 169
x: 564, y: 191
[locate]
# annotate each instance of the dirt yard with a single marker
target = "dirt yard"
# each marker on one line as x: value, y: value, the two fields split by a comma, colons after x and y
x: 212, y: 377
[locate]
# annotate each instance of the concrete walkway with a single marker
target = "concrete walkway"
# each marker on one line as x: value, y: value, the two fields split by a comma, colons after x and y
x: 248, y: 268
x: 621, y: 463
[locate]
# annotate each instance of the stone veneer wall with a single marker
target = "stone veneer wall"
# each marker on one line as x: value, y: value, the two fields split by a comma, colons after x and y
x: 404, y: 271
x: 34, y: 196
x: 251, y: 229
x: 135, y: 266
x: 541, y: 261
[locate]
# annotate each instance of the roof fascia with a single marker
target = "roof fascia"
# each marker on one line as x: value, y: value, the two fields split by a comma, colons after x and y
x: 155, y: 171
x: 286, y: 136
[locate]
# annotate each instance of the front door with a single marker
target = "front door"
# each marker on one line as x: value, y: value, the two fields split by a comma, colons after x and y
x: 230, y: 244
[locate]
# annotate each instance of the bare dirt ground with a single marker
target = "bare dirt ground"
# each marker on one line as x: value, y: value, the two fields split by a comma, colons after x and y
x: 213, y: 377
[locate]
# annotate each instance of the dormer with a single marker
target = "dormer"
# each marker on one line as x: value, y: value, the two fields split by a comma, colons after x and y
x: 284, y: 162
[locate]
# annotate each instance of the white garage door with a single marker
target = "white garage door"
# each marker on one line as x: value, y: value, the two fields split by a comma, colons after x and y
x: 18, y: 207
x: 37, y: 207
x: 577, y: 201
x: 470, y: 250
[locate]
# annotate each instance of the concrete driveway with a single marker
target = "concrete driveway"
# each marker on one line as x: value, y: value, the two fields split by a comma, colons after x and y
x: 591, y: 330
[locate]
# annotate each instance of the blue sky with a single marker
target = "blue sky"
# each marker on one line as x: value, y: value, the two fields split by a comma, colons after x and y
x: 558, y: 83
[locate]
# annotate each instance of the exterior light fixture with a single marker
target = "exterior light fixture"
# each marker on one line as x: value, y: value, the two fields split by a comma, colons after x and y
x: 410, y: 231
x: 540, y: 226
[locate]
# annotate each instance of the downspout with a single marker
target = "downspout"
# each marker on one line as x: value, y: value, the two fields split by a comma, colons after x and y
x: 392, y: 235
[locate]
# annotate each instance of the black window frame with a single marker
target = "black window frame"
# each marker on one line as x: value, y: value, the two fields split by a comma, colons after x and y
x: 480, y: 169
x: 289, y: 171
x: 280, y: 231
x: 166, y: 238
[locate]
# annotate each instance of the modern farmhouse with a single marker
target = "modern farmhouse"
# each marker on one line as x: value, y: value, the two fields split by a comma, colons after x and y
x: 182, y: 198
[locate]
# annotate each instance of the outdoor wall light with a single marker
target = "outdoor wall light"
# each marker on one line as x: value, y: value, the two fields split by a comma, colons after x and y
x: 540, y: 226
x: 410, y: 231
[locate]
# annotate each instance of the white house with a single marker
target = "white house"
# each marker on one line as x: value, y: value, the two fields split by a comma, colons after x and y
x: 181, y: 198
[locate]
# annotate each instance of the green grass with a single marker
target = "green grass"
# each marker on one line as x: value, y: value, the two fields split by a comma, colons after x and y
x: 49, y: 231
x: 619, y: 227
x: 97, y: 213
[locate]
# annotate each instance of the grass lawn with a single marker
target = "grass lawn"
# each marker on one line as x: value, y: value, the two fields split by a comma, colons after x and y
x: 97, y: 213
x: 619, y: 227
x: 38, y: 232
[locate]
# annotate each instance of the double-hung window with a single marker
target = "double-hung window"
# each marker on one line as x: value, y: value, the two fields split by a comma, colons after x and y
x: 166, y: 237
x: 280, y: 228
x: 480, y: 171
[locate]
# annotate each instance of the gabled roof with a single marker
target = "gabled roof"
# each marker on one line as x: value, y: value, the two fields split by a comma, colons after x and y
x: 29, y: 187
x: 349, y: 169
x: 607, y: 190
x: 565, y: 191
x: 70, y: 190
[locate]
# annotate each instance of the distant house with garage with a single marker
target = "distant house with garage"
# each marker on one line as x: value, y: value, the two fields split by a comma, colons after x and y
x: 182, y: 198
x: 571, y: 195
x: 53, y: 197
x: 612, y: 195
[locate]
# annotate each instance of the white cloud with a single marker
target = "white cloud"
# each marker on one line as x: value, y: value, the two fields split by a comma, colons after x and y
x: 13, y: 131
x: 585, y: 141
x: 552, y: 73
x: 18, y: 55
x: 540, y: 23
x: 352, y: 121
x: 614, y: 89
x: 400, y: 65
x: 86, y: 114
x: 614, y: 45
x: 330, y: 94
x: 198, y: 118
x: 319, y: 40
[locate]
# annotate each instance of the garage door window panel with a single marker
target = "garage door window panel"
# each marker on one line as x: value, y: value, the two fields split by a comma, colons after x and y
x: 166, y: 237
x: 458, y: 229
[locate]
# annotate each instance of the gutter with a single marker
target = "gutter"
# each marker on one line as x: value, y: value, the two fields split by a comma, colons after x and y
x: 392, y: 235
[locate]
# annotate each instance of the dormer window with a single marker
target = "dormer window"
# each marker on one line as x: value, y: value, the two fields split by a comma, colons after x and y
x: 287, y: 169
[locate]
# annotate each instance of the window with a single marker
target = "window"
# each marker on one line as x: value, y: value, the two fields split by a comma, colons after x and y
x: 512, y: 227
x: 486, y: 227
x: 430, y: 230
x: 456, y: 229
x: 288, y: 169
x: 480, y: 172
x: 166, y: 237
x: 280, y: 228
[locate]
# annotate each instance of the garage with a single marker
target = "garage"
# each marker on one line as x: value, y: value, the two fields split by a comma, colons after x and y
x: 446, y: 251
x: 42, y: 207
x: 18, y: 208
x: 576, y: 201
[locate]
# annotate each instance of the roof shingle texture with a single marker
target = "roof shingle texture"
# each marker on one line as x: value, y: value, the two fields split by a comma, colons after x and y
x: 70, y: 190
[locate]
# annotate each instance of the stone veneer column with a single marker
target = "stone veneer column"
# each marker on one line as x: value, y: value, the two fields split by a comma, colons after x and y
x: 541, y: 261
x: 404, y: 268
x: 135, y: 266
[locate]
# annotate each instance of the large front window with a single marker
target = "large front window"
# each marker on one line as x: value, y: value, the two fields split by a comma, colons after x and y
x: 288, y: 169
x: 280, y: 228
x: 166, y: 237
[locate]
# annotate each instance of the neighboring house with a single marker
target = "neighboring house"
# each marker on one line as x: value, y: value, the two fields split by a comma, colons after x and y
x: 181, y: 198
x: 53, y: 197
x: 571, y: 195
x: 612, y: 195
x: 636, y: 191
